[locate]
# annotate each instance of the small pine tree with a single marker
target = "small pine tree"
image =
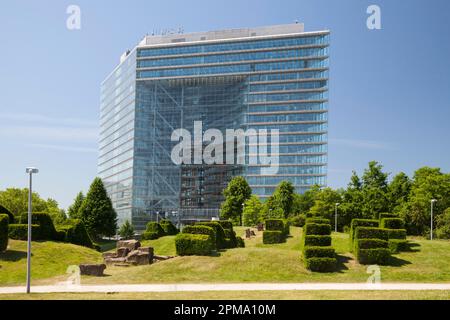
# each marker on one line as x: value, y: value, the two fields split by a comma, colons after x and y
x: 97, y: 212
x: 74, y: 209
x: 126, y: 230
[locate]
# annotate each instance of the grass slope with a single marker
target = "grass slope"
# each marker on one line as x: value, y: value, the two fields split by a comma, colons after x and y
x: 49, y: 259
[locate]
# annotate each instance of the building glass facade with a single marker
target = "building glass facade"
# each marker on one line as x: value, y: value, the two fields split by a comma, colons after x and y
x: 265, y: 78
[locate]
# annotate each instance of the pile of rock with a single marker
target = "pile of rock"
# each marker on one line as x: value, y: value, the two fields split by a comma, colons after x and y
x: 129, y: 252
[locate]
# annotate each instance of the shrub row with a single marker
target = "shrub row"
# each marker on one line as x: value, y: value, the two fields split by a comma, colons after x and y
x: 318, y: 220
x: 374, y: 256
x: 323, y: 241
x: 360, y: 223
x: 371, y: 245
x: 321, y: 264
x: 4, y: 223
x: 221, y: 243
x: 20, y: 232
x: 73, y: 231
x: 392, y: 223
x: 276, y: 231
x: 318, y: 254
x: 154, y: 231
x: 271, y: 237
x: 317, y: 229
x: 46, y: 226
x: 200, y: 229
x: 168, y: 227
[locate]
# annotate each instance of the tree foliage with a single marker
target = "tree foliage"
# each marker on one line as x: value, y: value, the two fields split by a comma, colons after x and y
x: 126, y: 231
x: 74, y: 209
x: 236, y: 193
x: 97, y: 212
x: 253, y: 210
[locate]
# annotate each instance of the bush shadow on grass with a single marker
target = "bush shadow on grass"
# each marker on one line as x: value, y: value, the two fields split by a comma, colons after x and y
x: 397, y: 262
x: 341, y: 261
x: 412, y: 247
x: 13, y: 255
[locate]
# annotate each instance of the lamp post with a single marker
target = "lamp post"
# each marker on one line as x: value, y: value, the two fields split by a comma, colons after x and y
x: 335, y: 216
x: 30, y: 171
x: 433, y: 201
x: 242, y: 213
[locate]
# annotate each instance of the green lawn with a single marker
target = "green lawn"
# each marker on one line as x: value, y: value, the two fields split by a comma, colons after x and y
x: 49, y: 259
x: 239, y: 295
x: 428, y: 262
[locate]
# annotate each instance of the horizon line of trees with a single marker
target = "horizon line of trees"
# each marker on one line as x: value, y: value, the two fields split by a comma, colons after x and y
x: 365, y: 197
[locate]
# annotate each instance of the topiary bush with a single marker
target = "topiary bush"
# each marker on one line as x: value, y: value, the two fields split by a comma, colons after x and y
x: 4, y: 223
x: 399, y: 234
x: 20, y: 232
x: 45, y: 222
x: 317, y: 229
x: 230, y: 239
x: 240, y: 242
x: 298, y: 221
x: 220, y: 233
x: 318, y: 252
x: 317, y: 241
x: 271, y: 237
x: 153, y: 231
x: 360, y: 223
x: 3, y: 210
x: 188, y: 244
x: 275, y: 225
x: 226, y: 224
x: 370, y: 244
x: 73, y: 231
x: 168, y: 227
x: 318, y: 220
x: 379, y: 256
x: 392, y: 223
x: 321, y: 264
x: 387, y: 215
x: 371, y: 233
x: 199, y: 229
x: 397, y: 245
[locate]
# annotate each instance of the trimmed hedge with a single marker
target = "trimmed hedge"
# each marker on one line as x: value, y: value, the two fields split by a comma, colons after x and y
x: 45, y: 222
x: 318, y: 220
x: 20, y: 232
x: 230, y: 238
x: 399, y: 234
x: 270, y: 237
x: 275, y: 225
x: 240, y: 242
x: 205, y: 230
x: 317, y: 229
x: 318, y: 252
x: 226, y: 224
x: 74, y: 231
x: 387, y: 215
x: 169, y: 228
x: 371, y: 233
x: 188, y: 244
x: 317, y: 241
x: 153, y: 231
x: 4, y: 223
x: 360, y: 223
x: 392, y: 223
x: 321, y: 264
x: 370, y: 244
x: 3, y: 210
x: 220, y: 233
x: 397, y: 245
x: 374, y: 256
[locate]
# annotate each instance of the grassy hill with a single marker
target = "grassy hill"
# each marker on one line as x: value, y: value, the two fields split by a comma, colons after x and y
x: 49, y: 259
x: 427, y: 261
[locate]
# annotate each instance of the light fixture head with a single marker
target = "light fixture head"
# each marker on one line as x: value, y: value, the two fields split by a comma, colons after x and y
x: 433, y: 200
x: 32, y: 170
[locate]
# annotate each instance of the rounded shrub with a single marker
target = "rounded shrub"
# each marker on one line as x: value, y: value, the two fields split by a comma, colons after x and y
x: 3, y: 210
x: 153, y: 231
x: 317, y: 229
x: 168, y: 227
x: 298, y: 221
x: 199, y: 229
x: 321, y: 264
x: 4, y: 223
x: 220, y: 233
x: 392, y: 223
x: 187, y: 244
x: 270, y: 237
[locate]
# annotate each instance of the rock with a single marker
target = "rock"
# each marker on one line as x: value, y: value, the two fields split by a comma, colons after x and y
x: 130, y: 244
x: 92, y: 269
x: 247, y: 233
x: 137, y: 257
x: 162, y: 257
x: 107, y: 255
x: 122, y: 252
x: 260, y: 227
x: 115, y: 260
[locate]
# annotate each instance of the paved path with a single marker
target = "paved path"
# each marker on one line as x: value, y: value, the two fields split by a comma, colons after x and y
x: 228, y: 287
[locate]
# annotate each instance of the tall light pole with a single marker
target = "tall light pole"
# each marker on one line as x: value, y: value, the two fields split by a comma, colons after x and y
x: 335, y: 216
x: 433, y: 201
x: 243, y: 205
x: 30, y: 171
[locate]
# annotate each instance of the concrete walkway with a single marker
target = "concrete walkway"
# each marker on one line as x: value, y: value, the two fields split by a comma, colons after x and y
x: 227, y: 287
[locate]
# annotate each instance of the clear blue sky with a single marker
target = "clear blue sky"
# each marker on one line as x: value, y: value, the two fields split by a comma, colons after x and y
x: 389, y: 91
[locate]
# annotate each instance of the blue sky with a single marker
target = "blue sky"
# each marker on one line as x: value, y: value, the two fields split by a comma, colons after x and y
x: 389, y: 90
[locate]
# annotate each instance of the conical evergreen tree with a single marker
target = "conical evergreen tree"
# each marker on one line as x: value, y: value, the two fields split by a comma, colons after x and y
x: 74, y: 209
x: 97, y: 212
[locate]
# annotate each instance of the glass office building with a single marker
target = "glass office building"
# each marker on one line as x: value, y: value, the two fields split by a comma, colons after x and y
x: 260, y: 78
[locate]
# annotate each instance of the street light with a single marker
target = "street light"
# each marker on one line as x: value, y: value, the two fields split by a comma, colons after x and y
x: 335, y: 216
x: 243, y: 205
x: 433, y: 201
x: 30, y: 171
